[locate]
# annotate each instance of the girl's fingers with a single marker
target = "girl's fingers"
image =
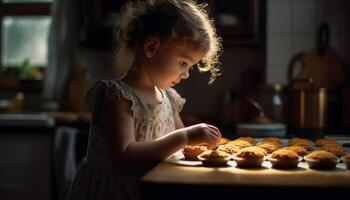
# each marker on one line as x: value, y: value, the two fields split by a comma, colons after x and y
x: 215, y: 129
x: 216, y: 134
x: 212, y: 139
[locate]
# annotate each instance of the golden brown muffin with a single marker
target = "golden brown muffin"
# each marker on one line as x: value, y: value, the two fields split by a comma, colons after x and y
x: 337, y: 149
x: 223, y: 141
x: 301, y: 151
x: 214, y: 158
x: 191, y: 152
x: 274, y: 140
x: 251, y: 152
x: 214, y: 154
x: 299, y: 140
x: 250, y: 157
x: 248, y: 139
x: 284, y: 159
x: 285, y: 154
x: 321, y: 142
x: 322, y: 155
x: 347, y: 156
x: 228, y: 148
x: 268, y: 146
x: 240, y: 143
x: 321, y: 159
x: 306, y: 145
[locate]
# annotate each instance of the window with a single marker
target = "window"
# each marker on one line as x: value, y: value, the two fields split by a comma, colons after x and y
x: 27, y: 1
x: 24, y: 32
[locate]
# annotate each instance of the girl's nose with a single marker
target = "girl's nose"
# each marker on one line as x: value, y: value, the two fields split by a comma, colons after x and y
x: 185, y: 75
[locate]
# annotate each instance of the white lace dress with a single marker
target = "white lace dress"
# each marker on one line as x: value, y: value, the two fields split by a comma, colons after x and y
x: 97, y: 177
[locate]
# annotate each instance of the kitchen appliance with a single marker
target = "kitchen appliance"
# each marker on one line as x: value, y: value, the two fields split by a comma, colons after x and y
x: 314, y: 89
x: 308, y: 105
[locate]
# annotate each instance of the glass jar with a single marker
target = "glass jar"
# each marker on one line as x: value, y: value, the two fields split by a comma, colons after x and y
x: 273, y: 100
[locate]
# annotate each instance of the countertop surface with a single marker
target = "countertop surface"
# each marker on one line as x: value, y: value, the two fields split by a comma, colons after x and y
x: 192, y: 172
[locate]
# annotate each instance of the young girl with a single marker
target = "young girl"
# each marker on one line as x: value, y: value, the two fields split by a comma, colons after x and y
x: 135, y: 120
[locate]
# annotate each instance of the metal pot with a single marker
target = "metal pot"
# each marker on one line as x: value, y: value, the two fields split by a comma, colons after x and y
x: 308, y: 105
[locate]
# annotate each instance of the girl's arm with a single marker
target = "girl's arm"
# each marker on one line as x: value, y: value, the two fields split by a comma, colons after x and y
x: 178, y: 121
x: 118, y: 123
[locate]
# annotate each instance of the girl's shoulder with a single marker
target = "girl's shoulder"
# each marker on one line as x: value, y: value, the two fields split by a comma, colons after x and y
x: 110, y: 89
x: 176, y: 100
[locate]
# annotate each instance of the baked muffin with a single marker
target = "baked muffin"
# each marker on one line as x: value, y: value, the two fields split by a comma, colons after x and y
x: 296, y: 140
x: 321, y: 142
x: 347, y: 156
x: 191, y: 152
x: 268, y: 146
x: 223, y: 141
x: 213, y: 154
x: 346, y: 160
x: 228, y: 148
x: 284, y: 159
x: 321, y: 159
x: 301, y: 151
x: 248, y: 139
x: 240, y: 143
x: 250, y: 157
x: 306, y: 145
x: 273, y: 140
x: 213, y: 158
x: 337, y: 149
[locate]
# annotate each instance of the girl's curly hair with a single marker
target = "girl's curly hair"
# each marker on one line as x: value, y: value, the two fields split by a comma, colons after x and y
x: 172, y: 19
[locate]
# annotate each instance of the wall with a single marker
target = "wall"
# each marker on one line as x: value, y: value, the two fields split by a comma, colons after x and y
x: 204, y: 99
x: 292, y: 26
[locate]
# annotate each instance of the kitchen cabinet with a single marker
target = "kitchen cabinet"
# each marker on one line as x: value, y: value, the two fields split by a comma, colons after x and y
x: 34, y: 151
x: 239, y: 22
x: 26, y: 166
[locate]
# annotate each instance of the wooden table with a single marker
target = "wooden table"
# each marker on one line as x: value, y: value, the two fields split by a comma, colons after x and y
x: 193, y: 180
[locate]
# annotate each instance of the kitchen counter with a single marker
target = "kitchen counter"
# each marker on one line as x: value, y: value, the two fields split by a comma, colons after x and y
x: 174, y: 177
x: 265, y: 176
x: 70, y: 117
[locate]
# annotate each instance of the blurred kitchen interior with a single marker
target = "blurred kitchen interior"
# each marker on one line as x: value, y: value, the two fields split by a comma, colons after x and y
x: 285, y: 64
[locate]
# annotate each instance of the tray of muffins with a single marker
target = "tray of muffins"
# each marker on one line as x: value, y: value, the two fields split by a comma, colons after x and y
x: 271, y: 152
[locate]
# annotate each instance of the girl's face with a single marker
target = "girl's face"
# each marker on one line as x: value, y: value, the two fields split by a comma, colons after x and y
x: 167, y: 65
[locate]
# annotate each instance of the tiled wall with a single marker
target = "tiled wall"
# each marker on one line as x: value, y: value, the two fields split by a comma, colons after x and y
x: 292, y: 27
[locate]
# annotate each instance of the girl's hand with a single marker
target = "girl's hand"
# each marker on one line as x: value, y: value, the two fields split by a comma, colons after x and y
x: 202, y: 134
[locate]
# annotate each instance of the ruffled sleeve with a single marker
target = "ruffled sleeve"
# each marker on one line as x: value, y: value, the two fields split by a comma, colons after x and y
x: 177, y: 102
x: 112, y: 90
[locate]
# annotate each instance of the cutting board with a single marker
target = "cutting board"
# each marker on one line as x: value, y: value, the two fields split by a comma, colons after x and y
x: 326, y: 70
